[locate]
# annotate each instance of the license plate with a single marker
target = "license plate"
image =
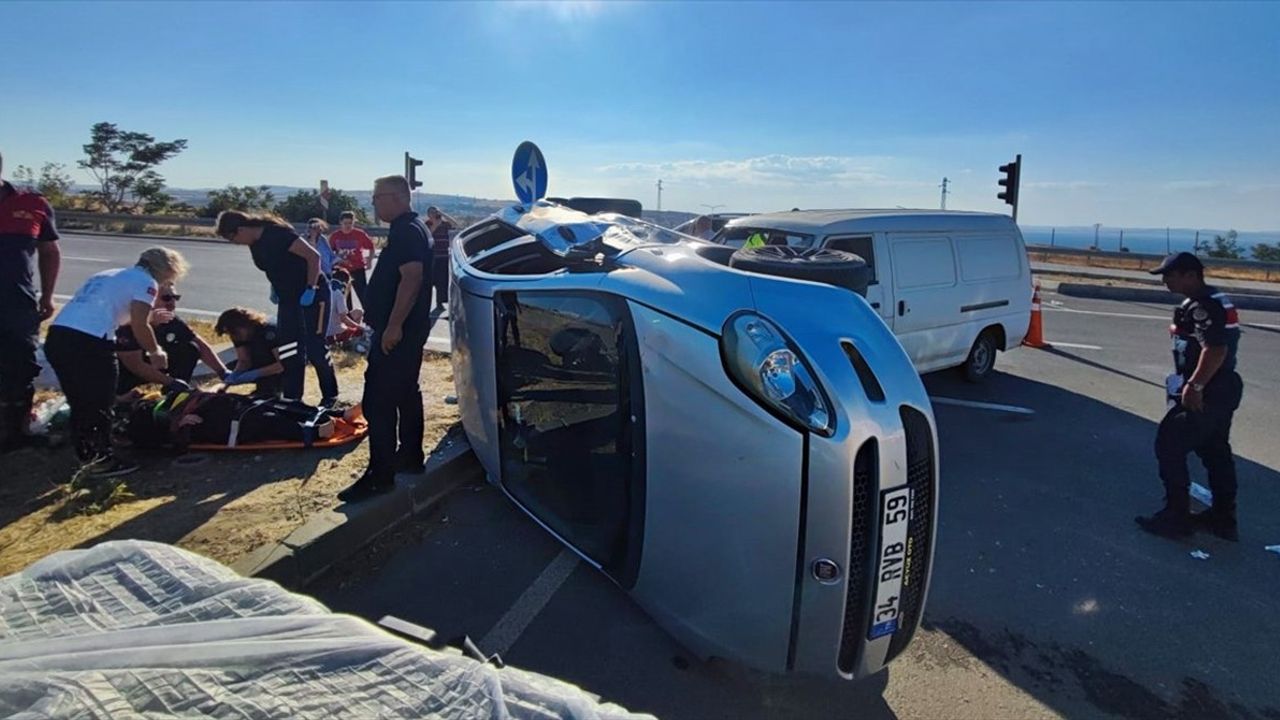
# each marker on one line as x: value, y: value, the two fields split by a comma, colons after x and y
x: 891, y: 563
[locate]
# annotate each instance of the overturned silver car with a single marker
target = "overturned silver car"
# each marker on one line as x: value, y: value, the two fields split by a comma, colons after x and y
x: 751, y: 457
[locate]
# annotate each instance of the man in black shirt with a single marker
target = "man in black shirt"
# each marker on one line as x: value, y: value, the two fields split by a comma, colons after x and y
x: 184, y: 348
x: 397, y: 308
x: 1204, y: 393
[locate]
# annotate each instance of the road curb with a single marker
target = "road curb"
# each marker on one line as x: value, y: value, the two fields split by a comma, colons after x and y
x: 335, y: 535
x: 1095, y: 274
x: 1164, y: 297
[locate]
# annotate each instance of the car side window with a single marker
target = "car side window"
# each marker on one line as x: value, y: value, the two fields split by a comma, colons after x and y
x: 571, y: 424
x: 862, y: 246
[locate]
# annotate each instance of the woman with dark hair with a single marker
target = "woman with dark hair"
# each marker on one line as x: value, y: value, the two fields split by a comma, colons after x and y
x: 293, y: 268
x: 258, y: 352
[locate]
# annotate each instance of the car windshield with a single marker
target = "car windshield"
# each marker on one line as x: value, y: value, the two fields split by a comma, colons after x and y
x: 738, y: 235
x: 563, y: 230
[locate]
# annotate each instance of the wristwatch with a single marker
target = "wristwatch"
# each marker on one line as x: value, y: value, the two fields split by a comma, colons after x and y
x: 1198, y: 387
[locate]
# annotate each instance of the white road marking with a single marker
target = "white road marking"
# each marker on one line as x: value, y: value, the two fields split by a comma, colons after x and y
x: 1074, y: 345
x: 535, y: 597
x: 1165, y: 318
x: 85, y: 259
x: 982, y: 405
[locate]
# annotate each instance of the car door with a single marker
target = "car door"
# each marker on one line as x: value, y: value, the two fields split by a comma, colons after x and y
x: 571, y: 420
x: 864, y: 246
x: 926, y: 312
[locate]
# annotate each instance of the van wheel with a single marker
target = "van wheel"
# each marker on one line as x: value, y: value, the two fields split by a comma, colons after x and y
x: 982, y: 358
x: 833, y: 267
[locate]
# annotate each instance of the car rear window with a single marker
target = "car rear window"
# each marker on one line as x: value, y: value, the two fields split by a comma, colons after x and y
x: 738, y: 235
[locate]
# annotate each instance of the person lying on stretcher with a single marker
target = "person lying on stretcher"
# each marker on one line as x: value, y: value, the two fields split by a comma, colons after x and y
x: 194, y: 417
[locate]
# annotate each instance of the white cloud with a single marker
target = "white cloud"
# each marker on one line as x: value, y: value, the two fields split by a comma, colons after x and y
x: 765, y: 170
x: 566, y: 11
x: 1178, y: 185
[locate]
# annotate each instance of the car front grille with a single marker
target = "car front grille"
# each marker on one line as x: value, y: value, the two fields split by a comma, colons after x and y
x: 855, y: 604
x: 919, y: 440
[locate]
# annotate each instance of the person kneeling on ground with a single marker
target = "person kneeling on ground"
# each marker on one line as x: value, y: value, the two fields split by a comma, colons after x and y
x: 259, y: 354
x: 194, y: 417
x: 345, y: 325
x: 175, y: 337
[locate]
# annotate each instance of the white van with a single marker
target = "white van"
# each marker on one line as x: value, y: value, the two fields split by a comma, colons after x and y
x: 954, y: 287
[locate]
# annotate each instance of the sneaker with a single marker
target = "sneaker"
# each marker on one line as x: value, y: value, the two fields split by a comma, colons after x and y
x: 111, y: 467
x: 1166, y: 524
x: 1209, y: 521
x: 366, y: 487
x: 411, y: 464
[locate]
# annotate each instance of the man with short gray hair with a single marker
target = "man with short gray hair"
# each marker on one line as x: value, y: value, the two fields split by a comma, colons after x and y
x: 397, y: 307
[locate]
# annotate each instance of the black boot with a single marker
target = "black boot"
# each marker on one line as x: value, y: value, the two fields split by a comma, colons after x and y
x: 369, y: 485
x: 1219, y: 520
x: 1171, y: 522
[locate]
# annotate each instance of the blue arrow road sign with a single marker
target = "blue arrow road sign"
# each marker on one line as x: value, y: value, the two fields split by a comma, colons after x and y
x: 529, y: 173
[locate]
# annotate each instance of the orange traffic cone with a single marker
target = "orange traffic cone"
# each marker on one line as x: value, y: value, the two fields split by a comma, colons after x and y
x: 1035, y: 331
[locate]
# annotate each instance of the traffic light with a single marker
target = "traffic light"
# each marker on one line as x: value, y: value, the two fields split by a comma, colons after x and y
x: 411, y: 170
x: 1012, y: 175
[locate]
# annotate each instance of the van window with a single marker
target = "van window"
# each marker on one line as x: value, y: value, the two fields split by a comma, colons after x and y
x: 863, y: 247
x: 988, y: 258
x: 738, y: 236
x: 920, y: 263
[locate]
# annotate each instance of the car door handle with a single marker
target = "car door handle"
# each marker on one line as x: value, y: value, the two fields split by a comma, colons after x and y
x: 875, y: 305
x: 902, y: 307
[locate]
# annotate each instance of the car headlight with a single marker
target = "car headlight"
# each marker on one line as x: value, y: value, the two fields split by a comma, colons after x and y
x: 768, y: 366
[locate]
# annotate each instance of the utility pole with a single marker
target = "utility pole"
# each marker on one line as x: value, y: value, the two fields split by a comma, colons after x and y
x: 1053, y: 232
x: 1195, y: 249
x: 944, y: 193
x: 1168, y: 248
x: 1096, y: 228
x: 659, y: 195
x: 712, y: 208
x: 1121, y: 239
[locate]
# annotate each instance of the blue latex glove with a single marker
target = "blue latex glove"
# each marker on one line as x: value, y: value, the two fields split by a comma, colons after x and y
x: 308, y: 297
x: 275, y: 298
x: 243, y: 377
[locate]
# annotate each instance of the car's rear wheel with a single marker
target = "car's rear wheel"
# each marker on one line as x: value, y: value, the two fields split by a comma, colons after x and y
x: 982, y: 357
x: 833, y: 267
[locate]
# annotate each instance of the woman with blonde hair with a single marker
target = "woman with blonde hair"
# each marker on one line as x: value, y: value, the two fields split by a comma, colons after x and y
x: 81, y: 348
x: 292, y: 266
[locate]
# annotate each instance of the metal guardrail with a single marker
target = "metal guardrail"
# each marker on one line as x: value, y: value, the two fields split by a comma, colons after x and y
x: 99, y: 220
x: 1144, y: 261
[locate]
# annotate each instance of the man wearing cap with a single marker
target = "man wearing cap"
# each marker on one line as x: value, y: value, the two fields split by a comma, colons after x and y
x: 1204, y: 392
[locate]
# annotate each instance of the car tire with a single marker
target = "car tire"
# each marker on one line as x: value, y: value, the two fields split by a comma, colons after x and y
x: 982, y: 358
x: 833, y: 267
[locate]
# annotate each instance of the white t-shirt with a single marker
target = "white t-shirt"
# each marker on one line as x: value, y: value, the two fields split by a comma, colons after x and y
x: 337, y: 308
x: 102, y: 304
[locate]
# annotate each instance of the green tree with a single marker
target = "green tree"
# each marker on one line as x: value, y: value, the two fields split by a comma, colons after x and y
x: 1225, y: 246
x: 305, y: 204
x: 249, y: 198
x: 1267, y: 253
x: 53, y: 182
x: 123, y: 162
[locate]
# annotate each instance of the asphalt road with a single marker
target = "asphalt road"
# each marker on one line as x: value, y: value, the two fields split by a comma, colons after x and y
x: 1046, y: 599
x: 221, y: 276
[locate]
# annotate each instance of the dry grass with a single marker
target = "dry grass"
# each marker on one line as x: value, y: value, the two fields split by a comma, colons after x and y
x: 223, y: 507
x: 1262, y: 274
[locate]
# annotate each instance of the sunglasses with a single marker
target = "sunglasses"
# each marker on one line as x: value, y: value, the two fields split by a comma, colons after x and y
x: 171, y: 298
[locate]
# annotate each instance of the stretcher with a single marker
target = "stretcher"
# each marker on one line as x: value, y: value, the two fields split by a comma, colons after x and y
x: 349, y: 428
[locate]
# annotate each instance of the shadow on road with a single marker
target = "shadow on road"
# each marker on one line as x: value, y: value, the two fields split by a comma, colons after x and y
x: 1042, y: 573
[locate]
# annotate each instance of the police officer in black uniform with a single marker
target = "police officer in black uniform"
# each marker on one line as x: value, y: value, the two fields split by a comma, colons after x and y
x: 1204, y: 394
x: 27, y: 231
x: 397, y: 307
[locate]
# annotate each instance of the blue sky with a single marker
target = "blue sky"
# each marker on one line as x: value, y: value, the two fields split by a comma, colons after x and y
x: 1141, y: 114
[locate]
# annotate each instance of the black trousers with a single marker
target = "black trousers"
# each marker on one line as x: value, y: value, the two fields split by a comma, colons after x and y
x: 86, y: 370
x: 393, y: 402
x: 1207, y: 433
x: 440, y: 280
x: 360, y: 283
x: 300, y: 338
x: 19, y: 338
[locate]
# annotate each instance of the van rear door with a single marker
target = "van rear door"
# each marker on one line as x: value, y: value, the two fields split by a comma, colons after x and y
x: 864, y: 246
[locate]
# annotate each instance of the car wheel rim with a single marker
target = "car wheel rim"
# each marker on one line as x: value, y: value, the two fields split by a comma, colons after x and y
x: 981, y: 358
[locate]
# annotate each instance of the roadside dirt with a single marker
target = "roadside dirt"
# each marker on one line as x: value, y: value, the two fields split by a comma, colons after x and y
x: 222, y: 505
